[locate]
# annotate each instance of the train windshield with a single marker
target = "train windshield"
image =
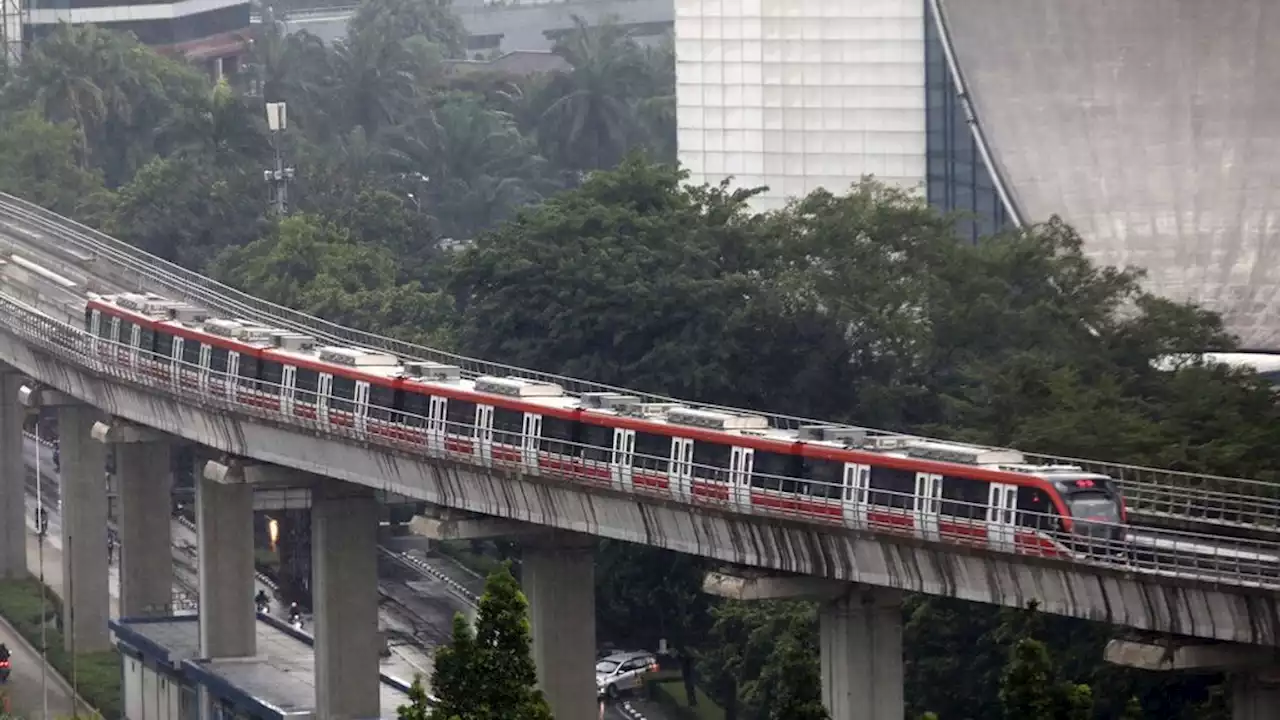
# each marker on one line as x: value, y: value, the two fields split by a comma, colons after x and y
x: 1094, y: 507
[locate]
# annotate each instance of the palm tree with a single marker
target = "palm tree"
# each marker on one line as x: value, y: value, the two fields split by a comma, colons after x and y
x: 223, y: 123
x: 59, y: 79
x: 588, y: 122
x: 372, y: 83
x: 480, y: 167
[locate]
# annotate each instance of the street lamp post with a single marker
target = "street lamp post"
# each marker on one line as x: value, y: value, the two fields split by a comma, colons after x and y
x: 44, y: 602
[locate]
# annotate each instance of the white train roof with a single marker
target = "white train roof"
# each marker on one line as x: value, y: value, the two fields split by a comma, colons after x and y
x: 430, y: 375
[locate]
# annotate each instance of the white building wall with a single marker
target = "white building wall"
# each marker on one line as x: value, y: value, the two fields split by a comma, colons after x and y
x: 11, y: 29
x: 801, y: 94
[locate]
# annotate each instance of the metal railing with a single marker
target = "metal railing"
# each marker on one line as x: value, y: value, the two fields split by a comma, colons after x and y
x: 881, y: 512
x: 1212, y: 501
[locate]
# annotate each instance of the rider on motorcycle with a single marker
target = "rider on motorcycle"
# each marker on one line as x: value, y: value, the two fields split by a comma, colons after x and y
x: 261, y: 600
x: 295, y: 615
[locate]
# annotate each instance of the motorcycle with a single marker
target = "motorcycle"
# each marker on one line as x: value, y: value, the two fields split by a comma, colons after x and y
x: 4, y: 670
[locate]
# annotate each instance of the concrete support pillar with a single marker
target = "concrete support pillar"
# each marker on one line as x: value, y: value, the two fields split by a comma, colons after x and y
x: 86, y: 606
x: 861, y: 651
x: 344, y: 547
x: 1254, y: 698
x: 558, y: 578
x: 13, y: 479
x: 224, y: 524
x: 145, y: 475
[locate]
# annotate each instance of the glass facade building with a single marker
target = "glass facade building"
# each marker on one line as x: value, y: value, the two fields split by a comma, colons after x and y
x: 802, y: 94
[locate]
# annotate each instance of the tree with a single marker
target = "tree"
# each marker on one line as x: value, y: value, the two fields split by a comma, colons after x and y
x: 1132, y: 709
x: 317, y: 267
x: 187, y: 208
x: 395, y: 21
x: 41, y: 164
x: 488, y: 674
x: 1026, y: 692
x: 634, y: 280
x: 587, y: 122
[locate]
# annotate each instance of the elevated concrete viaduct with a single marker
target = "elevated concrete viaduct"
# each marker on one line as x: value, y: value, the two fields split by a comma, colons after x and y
x: 854, y: 625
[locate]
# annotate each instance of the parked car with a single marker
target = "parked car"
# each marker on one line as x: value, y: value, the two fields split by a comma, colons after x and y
x: 623, y: 671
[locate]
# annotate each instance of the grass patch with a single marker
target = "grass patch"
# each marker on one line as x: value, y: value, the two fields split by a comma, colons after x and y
x: 97, y: 674
x: 669, y: 693
x: 462, y: 552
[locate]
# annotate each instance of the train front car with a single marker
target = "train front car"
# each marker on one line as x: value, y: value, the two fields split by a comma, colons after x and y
x: 1097, y: 522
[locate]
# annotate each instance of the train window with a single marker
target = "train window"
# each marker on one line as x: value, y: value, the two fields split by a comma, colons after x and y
x: 824, y: 474
x: 147, y: 339
x: 164, y: 344
x: 248, y: 367
x: 653, y: 452
x: 598, y: 442
x: 964, y: 497
x: 88, y: 318
x: 508, y: 425
x: 191, y: 352
x: 775, y: 471
x: 416, y: 406
x: 306, y: 382
x: 895, y: 487
x: 342, y: 394
x: 104, y: 327
x: 461, y: 416
x: 1035, y: 510
x: 382, y: 400
x: 217, y: 359
x: 272, y: 376
x: 126, y: 332
x: 557, y: 436
x: 711, y: 460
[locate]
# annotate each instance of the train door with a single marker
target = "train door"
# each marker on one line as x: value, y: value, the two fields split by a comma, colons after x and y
x: 624, y: 449
x: 1002, y: 520
x: 437, y: 424
x: 925, y: 505
x: 324, y: 391
x: 115, y: 338
x: 206, y: 359
x: 233, y: 374
x: 359, y: 406
x: 857, y: 482
x: 288, y: 388
x: 741, y: 462
x: 135, y: 341
x: 484, y: 434
x: 680, y: 472
x: 175, y: 360
x: 532, y: 432
x: 95, y: 327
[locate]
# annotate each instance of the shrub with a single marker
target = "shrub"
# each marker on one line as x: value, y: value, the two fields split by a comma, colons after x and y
x: 97, y: 674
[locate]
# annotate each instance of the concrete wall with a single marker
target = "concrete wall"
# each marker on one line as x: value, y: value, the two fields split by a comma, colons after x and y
x: 1150, y: 125
x: 1136, y: 600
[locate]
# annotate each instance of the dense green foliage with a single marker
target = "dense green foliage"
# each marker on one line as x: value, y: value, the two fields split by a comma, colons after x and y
x: 97, y: 675
x: 858, y: 306
x: 488, y: 673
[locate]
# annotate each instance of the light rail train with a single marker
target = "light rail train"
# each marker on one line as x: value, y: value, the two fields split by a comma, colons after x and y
x: 935, y: 490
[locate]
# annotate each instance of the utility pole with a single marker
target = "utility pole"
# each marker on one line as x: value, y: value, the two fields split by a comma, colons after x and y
x: 278, y: 177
